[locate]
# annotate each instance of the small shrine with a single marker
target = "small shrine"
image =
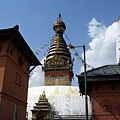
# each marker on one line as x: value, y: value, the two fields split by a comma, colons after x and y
x: 42, y: 110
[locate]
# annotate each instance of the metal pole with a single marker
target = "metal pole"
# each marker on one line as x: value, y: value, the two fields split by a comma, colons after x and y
x: 85, y: 81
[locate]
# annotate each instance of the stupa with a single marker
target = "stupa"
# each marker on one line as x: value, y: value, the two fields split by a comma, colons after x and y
x: 65, y: 100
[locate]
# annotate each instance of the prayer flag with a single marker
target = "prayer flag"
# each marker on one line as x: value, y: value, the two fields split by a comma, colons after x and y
x: 46, y: 44
x: 78, y: 58
x: 73, y: 49
x: 36, y: 53
x: 76, y: 54
x: 82, y: 61
x: 39, y: 50
x: 42, y: 47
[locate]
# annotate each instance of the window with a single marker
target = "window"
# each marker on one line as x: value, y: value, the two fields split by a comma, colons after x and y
x: 15, y: 112
x: 18, y: 79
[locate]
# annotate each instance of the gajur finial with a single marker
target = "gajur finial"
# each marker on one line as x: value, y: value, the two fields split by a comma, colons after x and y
x: 59, y: 25
x: 59, y: 17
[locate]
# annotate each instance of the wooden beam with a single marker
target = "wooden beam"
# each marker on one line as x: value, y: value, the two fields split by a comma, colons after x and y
x: 15, y: 47
x: 24, y: 60
x: 9, y: 43
x: 32, y: 69
x: 0, y: 46
x: 20, y: 61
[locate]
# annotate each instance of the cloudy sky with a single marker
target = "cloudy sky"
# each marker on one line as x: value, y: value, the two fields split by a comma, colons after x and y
x: 90, y: 23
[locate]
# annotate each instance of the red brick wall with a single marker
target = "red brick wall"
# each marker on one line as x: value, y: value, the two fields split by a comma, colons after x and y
x: 7, y: 109
x: 57, y: 73
x: 106, y: 101
x: 17, y: 88
x: 13, y: 83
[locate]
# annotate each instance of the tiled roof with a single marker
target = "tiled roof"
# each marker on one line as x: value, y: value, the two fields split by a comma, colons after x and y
x: 103, y: 70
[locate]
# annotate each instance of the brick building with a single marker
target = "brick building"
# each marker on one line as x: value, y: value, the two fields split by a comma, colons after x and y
x: 15, y: 60
x: 103, y: 87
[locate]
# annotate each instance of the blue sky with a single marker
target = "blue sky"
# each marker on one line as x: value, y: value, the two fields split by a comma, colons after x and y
x: 88, y: 22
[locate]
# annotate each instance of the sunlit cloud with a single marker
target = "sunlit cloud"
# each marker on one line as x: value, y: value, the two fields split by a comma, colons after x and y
x: 37, y: 76
x: 102, y: 49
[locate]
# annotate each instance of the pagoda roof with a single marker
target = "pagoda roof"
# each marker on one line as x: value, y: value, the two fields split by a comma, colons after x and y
x: 23, y: 45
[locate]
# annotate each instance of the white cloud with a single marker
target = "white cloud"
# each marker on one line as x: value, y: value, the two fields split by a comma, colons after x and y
x: 96, y: 29
x: 37, y: 76
x: 103, y: 45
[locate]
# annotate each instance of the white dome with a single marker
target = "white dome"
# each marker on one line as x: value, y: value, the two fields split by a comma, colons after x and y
x: 65, y: 100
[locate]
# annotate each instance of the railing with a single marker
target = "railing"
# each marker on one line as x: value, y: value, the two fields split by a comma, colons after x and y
x: 71, y: 117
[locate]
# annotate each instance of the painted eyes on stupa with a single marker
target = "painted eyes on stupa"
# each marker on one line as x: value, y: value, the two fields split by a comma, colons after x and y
x: 56, y: 78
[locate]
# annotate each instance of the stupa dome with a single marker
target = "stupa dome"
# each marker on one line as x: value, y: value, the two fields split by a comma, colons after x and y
x: 65, y: 101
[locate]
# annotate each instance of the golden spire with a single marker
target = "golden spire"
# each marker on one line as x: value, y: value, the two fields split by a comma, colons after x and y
x: 58, y: 59
x: 59, y: 45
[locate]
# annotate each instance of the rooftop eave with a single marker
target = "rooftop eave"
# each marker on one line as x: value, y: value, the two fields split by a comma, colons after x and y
x: 15, y: 31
